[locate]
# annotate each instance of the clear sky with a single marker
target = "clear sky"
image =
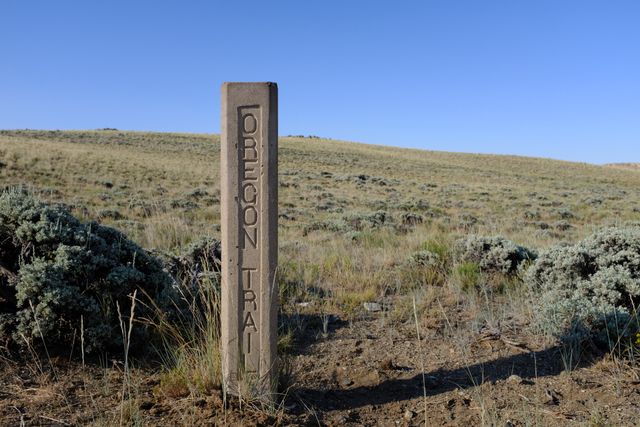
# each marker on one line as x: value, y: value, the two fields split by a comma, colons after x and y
x: 549, y: 78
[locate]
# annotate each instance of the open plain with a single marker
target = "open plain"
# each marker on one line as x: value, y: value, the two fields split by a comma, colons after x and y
x: 372, y: 331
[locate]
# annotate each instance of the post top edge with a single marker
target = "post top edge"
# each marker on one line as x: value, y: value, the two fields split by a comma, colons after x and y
x: 225, y: 84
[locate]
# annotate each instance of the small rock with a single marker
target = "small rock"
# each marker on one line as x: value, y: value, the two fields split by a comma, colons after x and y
x: 370, y: 379
x: 372, y: 307
x: 514, y: 379
x: 346, y: 382
x: 387, y: 365
x: 451, y: 403
x: 553, y: 397
x: 408, y: 414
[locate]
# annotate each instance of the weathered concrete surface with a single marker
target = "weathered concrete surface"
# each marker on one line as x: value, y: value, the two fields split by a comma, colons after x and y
x: 249, y: 202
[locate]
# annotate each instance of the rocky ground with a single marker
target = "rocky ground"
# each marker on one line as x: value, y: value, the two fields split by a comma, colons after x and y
x: 357, y: 373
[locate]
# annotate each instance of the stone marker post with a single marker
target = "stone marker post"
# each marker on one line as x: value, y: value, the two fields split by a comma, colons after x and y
x: 249, y: 203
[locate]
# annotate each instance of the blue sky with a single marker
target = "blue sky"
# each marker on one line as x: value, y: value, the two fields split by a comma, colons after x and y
x: 543, y: 78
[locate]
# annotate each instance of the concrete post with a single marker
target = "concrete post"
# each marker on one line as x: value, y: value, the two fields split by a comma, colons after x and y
x: 249, y: 203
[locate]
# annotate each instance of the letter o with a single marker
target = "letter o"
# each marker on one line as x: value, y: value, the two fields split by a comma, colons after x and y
x: 249, y: 123
x: 254, y: 213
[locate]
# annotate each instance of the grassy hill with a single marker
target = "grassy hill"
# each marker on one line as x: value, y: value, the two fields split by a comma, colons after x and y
x: 163, y: 190
x: 137, y: 180
x: 351, y: 217
x: 629, y: 166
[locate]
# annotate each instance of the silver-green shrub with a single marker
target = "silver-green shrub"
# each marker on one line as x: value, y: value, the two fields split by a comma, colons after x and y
x: 198, y: 264
x: 62, y: 273
x: 492, y: 254
x: 361, y: 221
x: 425, y: 258
x: 590, y: 289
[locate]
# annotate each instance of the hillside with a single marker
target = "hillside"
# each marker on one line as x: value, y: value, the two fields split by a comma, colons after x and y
x: 452, y: 345
x: 135, y: 179
x: 628, y: 166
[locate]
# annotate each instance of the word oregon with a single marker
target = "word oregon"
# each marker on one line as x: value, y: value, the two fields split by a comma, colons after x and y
x: 249, y: 181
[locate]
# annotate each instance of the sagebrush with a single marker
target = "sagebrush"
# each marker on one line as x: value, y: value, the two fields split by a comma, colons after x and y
x: 60, y: 275
x: 590, y: 289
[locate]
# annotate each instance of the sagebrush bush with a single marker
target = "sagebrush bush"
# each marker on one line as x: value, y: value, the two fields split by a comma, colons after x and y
x: 590, y: 289
x: 352, y: 222
x: 60, y: 273
x: 362, y: 221
x: 422, y: 268
x: 492, y: 254
x: 410, y: 218
x: 197, y: 266
x: 337, y: 226
x: 425, y: 258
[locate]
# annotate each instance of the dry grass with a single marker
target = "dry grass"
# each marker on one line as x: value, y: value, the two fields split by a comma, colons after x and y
x: 629, y: 166
x: 163, y: 191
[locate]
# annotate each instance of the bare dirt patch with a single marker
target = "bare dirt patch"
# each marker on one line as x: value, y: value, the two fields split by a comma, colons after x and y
x: 362, y: 372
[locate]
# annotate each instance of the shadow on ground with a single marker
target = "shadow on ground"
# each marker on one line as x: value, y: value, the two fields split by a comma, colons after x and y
x: 529, y: 366
x: 309, y: 328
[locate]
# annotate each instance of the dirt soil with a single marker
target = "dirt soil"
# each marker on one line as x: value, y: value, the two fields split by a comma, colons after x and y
x: 358, y: 373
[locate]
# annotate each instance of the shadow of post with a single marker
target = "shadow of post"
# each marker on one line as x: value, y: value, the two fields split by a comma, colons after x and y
x: 529, y: 366
x: 309, y: 328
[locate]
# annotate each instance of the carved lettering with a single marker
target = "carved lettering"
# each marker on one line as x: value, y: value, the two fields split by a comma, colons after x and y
x: 249, y: 271
x: 250, y: 215
x: 249, y: 123
x: 249, y: 193
x: 250, y: 296
x: 249, y: 322
x: 249, y: 238
x: 250, y: 224
x: 250, y: 153
x: 250, y: 172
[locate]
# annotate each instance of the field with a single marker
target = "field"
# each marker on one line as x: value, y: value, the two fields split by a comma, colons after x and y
x: 449, y: 345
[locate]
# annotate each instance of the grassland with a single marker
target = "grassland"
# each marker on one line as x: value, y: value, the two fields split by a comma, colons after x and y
x: 351, y: 215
